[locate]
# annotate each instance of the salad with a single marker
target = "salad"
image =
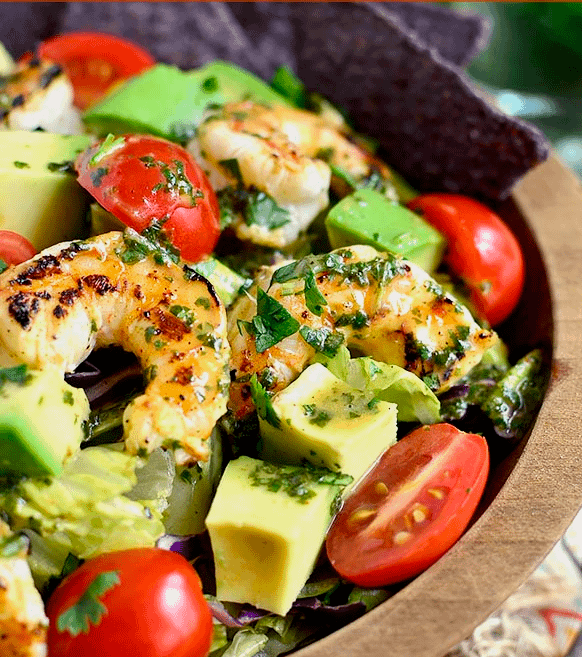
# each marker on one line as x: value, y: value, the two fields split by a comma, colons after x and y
x: 250, y: 379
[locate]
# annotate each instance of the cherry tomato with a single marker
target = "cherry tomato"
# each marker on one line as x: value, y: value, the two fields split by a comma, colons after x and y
x: 482, y: 251
x: 14, y: 248
x: 411, y: 507
x: 144, y: 601
x: 141, y: 178
x: 95, y: 62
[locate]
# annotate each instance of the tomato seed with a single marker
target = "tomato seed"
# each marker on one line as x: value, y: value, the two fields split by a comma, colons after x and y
x: 361, y: 515
x: 380, y: 488
x: 439, y: 493
x: 420, y: 513
x: 401, y: 537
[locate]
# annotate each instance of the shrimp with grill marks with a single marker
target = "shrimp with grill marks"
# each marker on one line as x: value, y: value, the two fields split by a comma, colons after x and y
x: 38, y: 95
x: 284, y: 153
x: 374, y: 302
x: 77, y: 296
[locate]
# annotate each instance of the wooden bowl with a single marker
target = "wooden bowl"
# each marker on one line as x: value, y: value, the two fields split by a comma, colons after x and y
x: 534, y: 493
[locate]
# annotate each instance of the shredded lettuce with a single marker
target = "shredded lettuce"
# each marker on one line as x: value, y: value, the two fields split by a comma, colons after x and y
x: 415, y: 400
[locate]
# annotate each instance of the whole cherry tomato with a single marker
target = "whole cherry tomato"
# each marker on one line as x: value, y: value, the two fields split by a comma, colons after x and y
x: 482, y: 251
x: 145, y: 602
x: 15, y: 248
x: 141, y: 178
x: 95, y: 62
x: 411, y: 507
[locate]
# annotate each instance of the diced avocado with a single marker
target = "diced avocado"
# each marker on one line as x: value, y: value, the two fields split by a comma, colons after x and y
x: 267, y: 524
x: 368, y: 217
x: 225, y: 281
x: 41, y: 421
x: 325, y: 421
x: 37, y: 198
x: 138, y: 106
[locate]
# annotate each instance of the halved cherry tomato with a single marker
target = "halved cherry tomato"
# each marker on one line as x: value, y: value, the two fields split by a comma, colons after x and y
x: 482, y: 251
x: 145, y: 602
x: 15, y: 248
x: 141, y: 178
x: 411, y: 507
x: 95, y: 62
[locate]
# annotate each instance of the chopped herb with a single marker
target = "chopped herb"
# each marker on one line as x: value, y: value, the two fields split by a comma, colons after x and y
x: 324, y: 340
x: 18, y: 374
x: 271, y: 324
x: 203, y: 302
x: 88, y: 609
x: 432, y: 381
x: 262, y: 210
x: 325, y: 154
x: 150, y: 332
x: 262, y: 401
x: 358, y: 320
x: 296, y: 480
x: 290, y: 86
x: 98, y: 175
x: 233, y: 168
x: 66, y: 166
x: 3, y: 266
x: 184, y: 314
x: 210, y: 85
x: 68, y: 398
x: 21, y: 165
x: 153, y: 241
x: 107, y: 146
x: 314, y: 299
x: 150, y: 373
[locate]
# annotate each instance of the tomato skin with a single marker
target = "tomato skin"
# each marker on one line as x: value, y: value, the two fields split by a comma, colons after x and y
x: 95, y: 61
x: 482, y: 251
x: 129, y: 181
x: 15, y: 248
x: 409, y: 510
x: 156, y: 610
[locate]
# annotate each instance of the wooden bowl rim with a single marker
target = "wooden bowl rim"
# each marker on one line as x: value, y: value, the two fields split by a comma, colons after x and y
x: 542, y: 493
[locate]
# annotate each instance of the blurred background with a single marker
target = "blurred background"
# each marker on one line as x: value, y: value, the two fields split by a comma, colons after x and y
x: 533, y: 67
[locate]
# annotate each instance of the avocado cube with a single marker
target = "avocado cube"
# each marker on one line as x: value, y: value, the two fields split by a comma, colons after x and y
x: 328, y: 423
x: 368, y: 217
x: 138, y: 106
x: 41, y: 421
x: 267, y: 524
x: 38, y: 199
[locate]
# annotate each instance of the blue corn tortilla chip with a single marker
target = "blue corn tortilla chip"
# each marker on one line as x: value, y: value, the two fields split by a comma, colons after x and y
x: 392, y: 66
x: 457, y: 38
x: 436, y: 130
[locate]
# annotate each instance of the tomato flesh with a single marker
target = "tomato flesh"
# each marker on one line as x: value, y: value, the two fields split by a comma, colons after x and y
x: 411, y: 507
x: 142, y: 178
x: 482, y: 251
x: 95, y: 62
x: 15, y: 248
x: 156, y: 609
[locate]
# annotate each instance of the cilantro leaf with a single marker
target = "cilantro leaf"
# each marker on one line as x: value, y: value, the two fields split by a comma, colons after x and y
x: 272, y: 322
x: 18, y: 374
x: 314, y: 299
x: 323, y: 340
x: 3, y: 266
x: 233, y: 168
x: 262, y: 210
x: 107, y: 146
x: 88, y: 609
x: 262, y: 401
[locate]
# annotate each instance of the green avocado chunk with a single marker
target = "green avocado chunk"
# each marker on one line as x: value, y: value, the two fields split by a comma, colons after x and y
x: 326, y: 422
x: 41, y: 421
x: 368, y: 217
x: 267, y: 524
x: 168, y: 102
x: 39, y: 194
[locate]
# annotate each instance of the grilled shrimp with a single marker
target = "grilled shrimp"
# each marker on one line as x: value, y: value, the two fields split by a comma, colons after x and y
x: 77, y: 296
x: 23, y: 622
x: 376, y: 303
x: 279, y: 151
x: 38, y: 94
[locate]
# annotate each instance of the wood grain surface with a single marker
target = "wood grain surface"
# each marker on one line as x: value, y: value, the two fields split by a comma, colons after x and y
x: 535, y: 492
